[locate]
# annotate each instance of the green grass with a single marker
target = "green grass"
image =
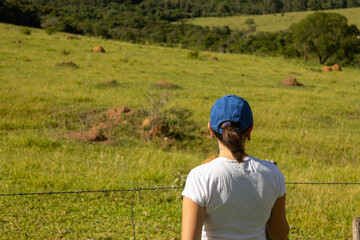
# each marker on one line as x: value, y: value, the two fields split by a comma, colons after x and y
x: 311, y: 131
x: 271, y: 22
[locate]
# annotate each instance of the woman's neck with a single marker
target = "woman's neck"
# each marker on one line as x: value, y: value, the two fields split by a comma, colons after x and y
x: 226, y: 153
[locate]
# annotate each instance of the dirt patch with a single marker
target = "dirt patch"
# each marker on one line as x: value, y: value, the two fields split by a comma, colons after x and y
x: 103, y: 124
x: 159, y: 131
x: 165, y: 84
x: 112, y: 81
x: 115, y: 115
x: 336, y: 67
x: 327, y: 69
x: 164, y: 128
x: 147, y: 122
x: 290, y: 81
x: 111, y: 118
x: 108, y: 84
x: 92, y: 135
x: 99, y: 49
x: 154, y: 127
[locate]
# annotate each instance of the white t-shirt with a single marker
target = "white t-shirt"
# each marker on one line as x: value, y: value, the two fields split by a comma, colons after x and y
x: 238, y: 197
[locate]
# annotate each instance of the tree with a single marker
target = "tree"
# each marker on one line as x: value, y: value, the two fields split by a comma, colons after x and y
x: 321, y: 34
x: 20, y: 12
x: 350, y: 47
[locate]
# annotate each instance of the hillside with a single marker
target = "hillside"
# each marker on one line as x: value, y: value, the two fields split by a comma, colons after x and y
x: 270, y: 22
x: 54, y: 88
x: 161, y: 23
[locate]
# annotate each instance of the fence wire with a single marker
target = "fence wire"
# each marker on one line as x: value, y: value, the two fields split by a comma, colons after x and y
x: 138, y: 190
x: 155, y: 188
x: 89, y: 191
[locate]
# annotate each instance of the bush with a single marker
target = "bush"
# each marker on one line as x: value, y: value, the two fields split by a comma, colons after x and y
x: 193, y: 55
x: 50, y: 30
x: 249, y: 21
x: 65, y: 52
x: 25, y: 31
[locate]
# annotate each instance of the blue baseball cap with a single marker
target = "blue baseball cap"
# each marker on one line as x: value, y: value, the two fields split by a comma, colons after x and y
x: 231, y: 108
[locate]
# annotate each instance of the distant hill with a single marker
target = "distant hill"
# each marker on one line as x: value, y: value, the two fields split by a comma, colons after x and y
x: 270, y: 22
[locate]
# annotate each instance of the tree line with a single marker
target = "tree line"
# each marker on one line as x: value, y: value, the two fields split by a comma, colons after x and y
x: 159, y: 22
x: 169, y: 10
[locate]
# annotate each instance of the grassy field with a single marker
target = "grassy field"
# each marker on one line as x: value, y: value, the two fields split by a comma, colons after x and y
x: 272, y: 22
x: 311, y: 131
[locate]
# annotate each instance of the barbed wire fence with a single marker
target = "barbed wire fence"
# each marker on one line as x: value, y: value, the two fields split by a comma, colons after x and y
x: 139, y: 190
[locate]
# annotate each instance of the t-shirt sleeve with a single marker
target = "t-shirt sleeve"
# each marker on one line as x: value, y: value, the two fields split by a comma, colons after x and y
x: 281, y: 183
x: 195, y: 188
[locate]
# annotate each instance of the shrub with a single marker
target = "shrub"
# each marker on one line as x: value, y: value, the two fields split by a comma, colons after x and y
x: 65, y: 52
x: 193, y: 55
x: 50, y: 30
x: 25, y: 31
x: 249, y: 21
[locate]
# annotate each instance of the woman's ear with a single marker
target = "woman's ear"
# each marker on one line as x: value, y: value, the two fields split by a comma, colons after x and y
x: 211, y: 131
x: 248, y: 132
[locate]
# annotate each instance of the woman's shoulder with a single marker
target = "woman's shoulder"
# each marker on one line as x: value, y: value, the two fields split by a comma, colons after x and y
x: 262, y: 162
x: 214, y: 166
x: 261, y: 165
x: 266, y: 168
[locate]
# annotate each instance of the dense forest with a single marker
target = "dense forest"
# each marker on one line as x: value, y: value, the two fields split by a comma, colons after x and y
x: 159, y: 21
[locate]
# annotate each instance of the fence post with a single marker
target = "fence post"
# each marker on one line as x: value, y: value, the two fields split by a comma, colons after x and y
x: 356, y: 228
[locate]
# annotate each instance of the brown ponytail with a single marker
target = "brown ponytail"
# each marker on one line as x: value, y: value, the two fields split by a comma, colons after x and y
x: 233, y: 139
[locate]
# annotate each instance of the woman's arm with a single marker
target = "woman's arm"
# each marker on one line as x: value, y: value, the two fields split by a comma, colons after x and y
x: 277, y: 223
x: 192, y: 220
